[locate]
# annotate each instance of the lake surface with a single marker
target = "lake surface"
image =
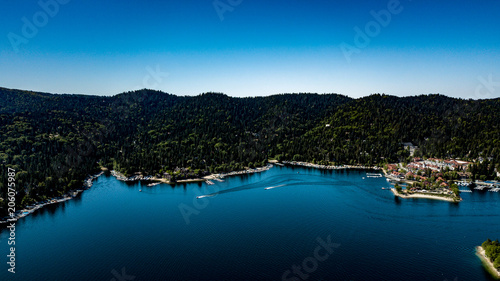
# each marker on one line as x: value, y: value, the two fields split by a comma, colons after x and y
x: 333, y: 225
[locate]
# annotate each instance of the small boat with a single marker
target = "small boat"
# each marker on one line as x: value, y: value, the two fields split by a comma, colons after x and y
x: 140, y: 190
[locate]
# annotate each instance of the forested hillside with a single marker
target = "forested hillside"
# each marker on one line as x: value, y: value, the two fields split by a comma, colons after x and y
x: 370, y: 130
x: 55, y: 141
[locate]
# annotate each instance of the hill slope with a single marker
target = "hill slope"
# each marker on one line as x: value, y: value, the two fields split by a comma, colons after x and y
x: 54, y: 141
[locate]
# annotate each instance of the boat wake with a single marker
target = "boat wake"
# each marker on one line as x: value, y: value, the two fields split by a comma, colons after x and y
x: 208, y: 195
x: 290, y: 180
x: 271, y: 187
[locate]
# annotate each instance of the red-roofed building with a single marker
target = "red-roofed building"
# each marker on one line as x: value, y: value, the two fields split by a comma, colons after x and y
x: 391, y: 167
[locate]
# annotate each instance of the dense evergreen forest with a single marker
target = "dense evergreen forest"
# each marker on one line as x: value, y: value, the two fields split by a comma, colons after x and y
x: 54, y: 141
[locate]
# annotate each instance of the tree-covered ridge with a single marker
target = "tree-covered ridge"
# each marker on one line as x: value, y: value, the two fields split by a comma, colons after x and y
x: 55, y: 141
x: 214, y: 132
x: 370, y: 130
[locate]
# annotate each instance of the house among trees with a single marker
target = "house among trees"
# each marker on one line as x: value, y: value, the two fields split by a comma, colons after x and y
x: 410, y: 147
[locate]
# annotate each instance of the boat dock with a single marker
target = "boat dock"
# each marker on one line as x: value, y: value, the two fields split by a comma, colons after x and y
x: 490, y: 188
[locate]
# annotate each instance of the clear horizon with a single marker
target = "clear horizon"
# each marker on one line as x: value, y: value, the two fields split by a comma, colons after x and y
x: 253, y: 48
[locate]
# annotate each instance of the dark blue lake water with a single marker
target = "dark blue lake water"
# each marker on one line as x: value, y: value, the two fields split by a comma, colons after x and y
x: 315, y: 225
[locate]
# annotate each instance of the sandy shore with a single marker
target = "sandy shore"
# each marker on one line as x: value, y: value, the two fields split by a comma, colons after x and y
x: 480, y: 252
x: 190, y: 180
x: 161, y: 180
x: 424, y: 196
x: 212, y: 176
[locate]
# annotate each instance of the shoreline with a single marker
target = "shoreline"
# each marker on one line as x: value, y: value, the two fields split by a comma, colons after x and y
x: 424, y: 196
x: 330, y: 167
x: 119, y: 176
x: 244, y: 172
x: 480, y: 252
x: 88, y: 183
x: 30, y: 209
x: 189, y: 180
x: 392, y: 178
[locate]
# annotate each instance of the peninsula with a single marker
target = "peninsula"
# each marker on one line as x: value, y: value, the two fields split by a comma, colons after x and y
x: 489, y: 253
x: 441, y: 195
x: 435, y: 178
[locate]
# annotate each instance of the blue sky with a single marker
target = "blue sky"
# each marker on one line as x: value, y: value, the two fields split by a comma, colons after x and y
x: 252, y: 47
